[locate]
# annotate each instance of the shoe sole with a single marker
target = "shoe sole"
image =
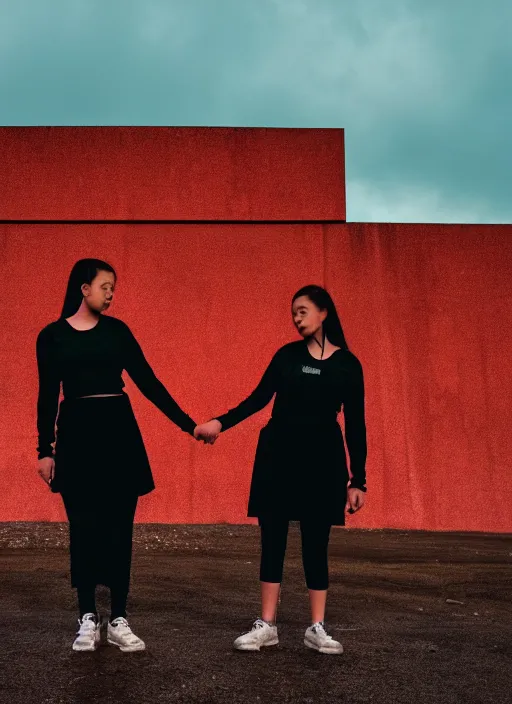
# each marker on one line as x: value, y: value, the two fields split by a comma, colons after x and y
x: 253, y: 647
x: 326, y: 651
x: 127, y: 648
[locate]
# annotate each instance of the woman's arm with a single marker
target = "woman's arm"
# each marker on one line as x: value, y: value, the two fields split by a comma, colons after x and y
x: 256, y: 400
x: 355, y: 426
x: 48, y: 396
x: 144, y: 377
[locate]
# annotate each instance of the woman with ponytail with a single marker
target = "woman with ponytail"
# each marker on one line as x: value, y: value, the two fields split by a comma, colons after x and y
x: 300, y: 469
x: 100, y: 466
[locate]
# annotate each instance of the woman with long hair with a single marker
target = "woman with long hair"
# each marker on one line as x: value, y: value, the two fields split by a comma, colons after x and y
x: 100, y: 466
x: 300, y: 469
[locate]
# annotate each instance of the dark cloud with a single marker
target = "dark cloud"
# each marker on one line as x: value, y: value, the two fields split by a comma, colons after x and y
x: 423, y: 89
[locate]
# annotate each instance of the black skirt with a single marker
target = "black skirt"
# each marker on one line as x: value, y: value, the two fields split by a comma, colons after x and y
x: 99, y: 448
x: 300, y: 471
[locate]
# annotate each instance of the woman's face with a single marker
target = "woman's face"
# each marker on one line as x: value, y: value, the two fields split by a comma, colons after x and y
x: 307, y: 317
x: 100, y: 292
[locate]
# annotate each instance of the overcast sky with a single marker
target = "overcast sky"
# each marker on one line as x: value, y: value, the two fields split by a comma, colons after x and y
x: 423, y: 88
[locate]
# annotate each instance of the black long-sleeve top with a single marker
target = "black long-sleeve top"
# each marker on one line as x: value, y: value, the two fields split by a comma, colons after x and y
x: 312, y: 390
x: 89, y: 362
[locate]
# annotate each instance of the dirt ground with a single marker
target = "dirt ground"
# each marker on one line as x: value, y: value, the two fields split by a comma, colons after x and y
x: 195, y: 588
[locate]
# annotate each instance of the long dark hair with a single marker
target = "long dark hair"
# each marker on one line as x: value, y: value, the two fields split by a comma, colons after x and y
x: 331, y: 326
x: 83, y: 272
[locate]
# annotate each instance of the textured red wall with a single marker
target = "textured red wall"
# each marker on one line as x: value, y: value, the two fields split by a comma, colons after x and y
x: 162, y: 173
x: 427, y: 309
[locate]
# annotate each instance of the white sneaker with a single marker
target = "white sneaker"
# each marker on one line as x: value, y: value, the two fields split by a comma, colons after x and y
x: 261, y: 634
x: 119, y: 633
x: 88, y: 634
x: 317, y: 638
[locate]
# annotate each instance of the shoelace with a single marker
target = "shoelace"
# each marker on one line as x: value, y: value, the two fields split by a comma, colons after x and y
x: 122, y: 624
x: 84, y: 627
x: 319, y: 627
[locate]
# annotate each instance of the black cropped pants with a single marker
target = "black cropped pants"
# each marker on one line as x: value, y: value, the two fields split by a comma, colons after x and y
x: 315, y: 543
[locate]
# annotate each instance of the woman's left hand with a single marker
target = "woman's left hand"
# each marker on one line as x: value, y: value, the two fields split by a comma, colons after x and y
x: 208, y: 432
x: 355, y: 500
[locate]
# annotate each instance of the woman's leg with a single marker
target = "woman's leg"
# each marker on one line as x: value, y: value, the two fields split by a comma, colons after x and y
x: 83, y: 538
x: 118, y: 600
x: 315, y: 543
x: 274, y: 534
x: 119, y: 532
x: 118, y: 522
x: 269, y: 598
x: 87, y: 599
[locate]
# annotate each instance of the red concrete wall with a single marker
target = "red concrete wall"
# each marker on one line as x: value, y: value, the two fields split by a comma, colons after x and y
x: 427, y: 309
x: 162, y: 173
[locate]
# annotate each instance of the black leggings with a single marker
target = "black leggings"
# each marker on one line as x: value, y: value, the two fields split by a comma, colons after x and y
x: 100, y: 545
x: 315, y: 543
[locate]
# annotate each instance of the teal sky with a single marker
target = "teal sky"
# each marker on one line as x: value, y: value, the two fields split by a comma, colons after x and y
x: 423, y: 88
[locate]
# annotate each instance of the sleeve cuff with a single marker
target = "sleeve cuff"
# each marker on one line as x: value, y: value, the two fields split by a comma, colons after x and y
x: 356, y: 485
x: 190, y: 427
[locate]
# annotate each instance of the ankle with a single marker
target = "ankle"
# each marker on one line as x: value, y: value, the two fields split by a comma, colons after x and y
x: 269, y: 622
x: 117, y: 615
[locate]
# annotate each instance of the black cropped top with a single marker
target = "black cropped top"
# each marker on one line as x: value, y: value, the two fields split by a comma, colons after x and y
x: 90, y: 362
x: 313, y: 391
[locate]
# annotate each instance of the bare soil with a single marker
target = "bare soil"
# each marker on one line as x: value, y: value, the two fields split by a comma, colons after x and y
x: 195, y: 589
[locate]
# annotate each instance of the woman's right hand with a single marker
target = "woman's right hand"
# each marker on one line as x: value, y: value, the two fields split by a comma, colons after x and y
x: 46, y: 469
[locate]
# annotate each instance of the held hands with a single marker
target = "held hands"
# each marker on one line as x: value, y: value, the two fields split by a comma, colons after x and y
x: 355, y: 500
x: 46, y: 469
x: 208, y: 432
